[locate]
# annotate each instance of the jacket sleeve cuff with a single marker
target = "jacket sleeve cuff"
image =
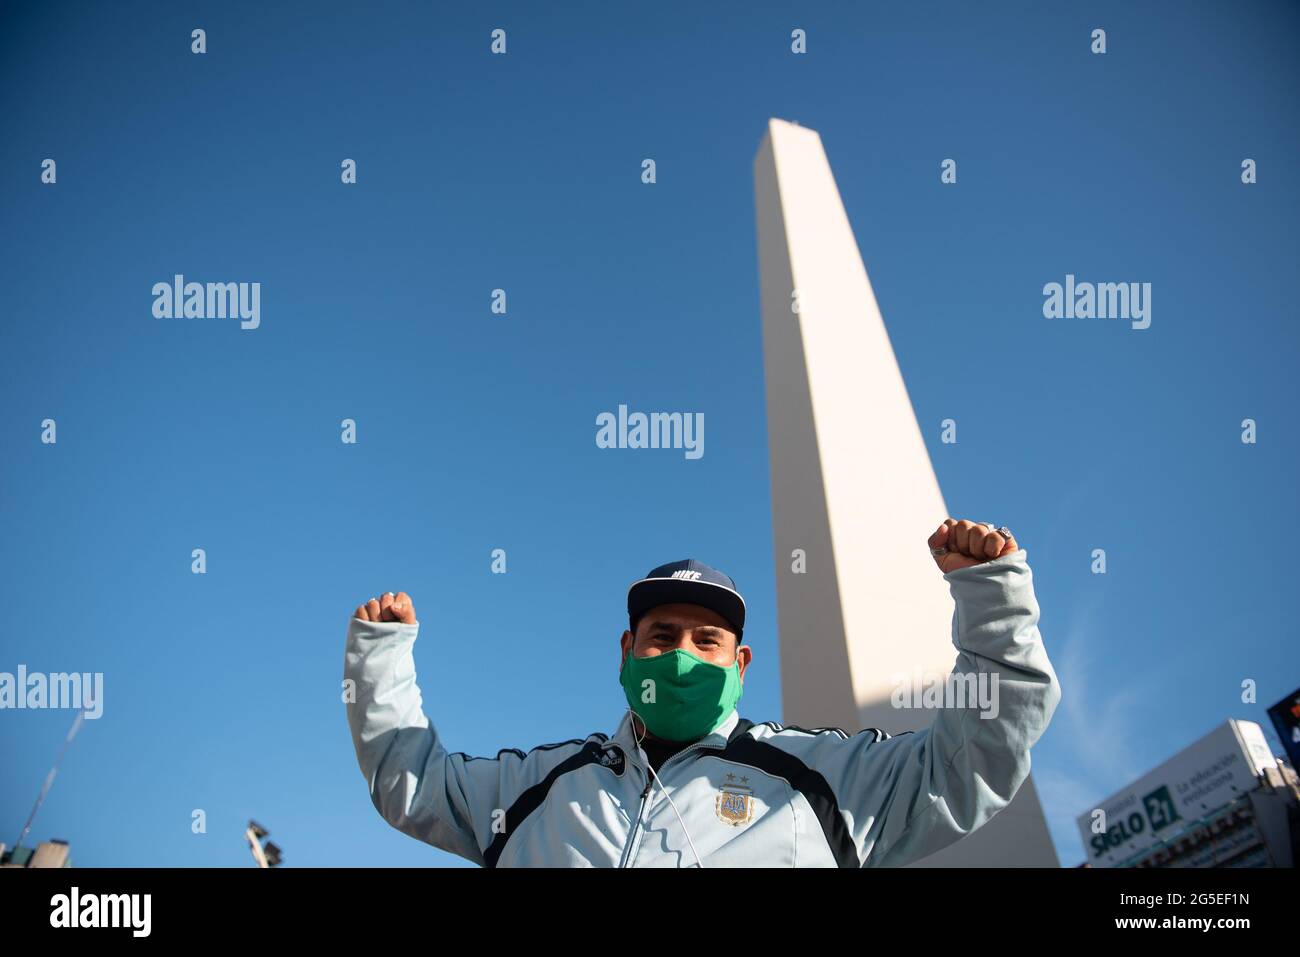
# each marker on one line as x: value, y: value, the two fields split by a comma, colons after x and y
x: 372, y: 630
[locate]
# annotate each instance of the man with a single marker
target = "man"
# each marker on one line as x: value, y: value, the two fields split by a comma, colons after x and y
x: 685, y: 781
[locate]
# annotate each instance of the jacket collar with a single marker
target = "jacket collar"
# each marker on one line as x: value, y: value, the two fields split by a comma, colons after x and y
x: 625, y: 737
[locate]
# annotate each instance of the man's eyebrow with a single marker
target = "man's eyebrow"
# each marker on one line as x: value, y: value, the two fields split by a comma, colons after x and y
x: 703, y: 631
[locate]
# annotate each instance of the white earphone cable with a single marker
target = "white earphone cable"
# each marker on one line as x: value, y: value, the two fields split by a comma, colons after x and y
x: 698, y: 862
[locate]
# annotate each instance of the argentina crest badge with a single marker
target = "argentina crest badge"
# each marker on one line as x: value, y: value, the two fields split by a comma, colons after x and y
x: 734, y: 804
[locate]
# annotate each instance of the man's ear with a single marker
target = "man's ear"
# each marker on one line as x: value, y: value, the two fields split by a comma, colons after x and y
x: 626, y: 643
x: 744, y: 655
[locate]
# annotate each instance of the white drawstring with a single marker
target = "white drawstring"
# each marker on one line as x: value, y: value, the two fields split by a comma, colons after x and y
x: 698, y: 863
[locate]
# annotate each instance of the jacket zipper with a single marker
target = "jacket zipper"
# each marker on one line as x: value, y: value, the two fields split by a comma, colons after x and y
x: 684, y: 751
x: 636, y: 828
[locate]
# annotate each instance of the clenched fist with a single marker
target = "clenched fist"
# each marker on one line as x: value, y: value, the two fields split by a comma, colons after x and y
x: 962, y: 544
x: 388, y: 607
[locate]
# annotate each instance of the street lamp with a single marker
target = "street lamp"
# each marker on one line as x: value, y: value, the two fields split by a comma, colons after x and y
x: 268, y: 856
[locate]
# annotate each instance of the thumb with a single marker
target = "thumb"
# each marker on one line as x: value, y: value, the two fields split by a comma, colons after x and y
x: 939, y: 540
x: 403, y: 609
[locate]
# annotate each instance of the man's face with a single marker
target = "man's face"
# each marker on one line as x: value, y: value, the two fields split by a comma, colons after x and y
x: 693, y: 628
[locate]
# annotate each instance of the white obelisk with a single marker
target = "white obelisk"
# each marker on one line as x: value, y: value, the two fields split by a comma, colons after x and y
x: 853, y: 490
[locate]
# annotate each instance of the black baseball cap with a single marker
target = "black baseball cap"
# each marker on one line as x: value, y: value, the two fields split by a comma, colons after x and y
x: 687, y: 582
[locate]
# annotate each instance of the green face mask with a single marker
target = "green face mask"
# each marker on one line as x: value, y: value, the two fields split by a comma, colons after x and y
x: 679, y: 696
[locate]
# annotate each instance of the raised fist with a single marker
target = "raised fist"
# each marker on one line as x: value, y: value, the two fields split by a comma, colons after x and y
x: 388, y: 607
x: 962, y: 544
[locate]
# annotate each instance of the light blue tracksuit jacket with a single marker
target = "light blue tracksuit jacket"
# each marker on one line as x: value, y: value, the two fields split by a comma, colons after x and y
x: 746, y: 795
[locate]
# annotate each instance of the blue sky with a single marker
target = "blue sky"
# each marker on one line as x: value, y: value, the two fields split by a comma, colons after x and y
x: 476, y: 431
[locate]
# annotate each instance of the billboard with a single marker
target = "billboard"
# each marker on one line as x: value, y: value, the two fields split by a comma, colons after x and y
x: 1286, y: 721
x: 1195, y: 782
